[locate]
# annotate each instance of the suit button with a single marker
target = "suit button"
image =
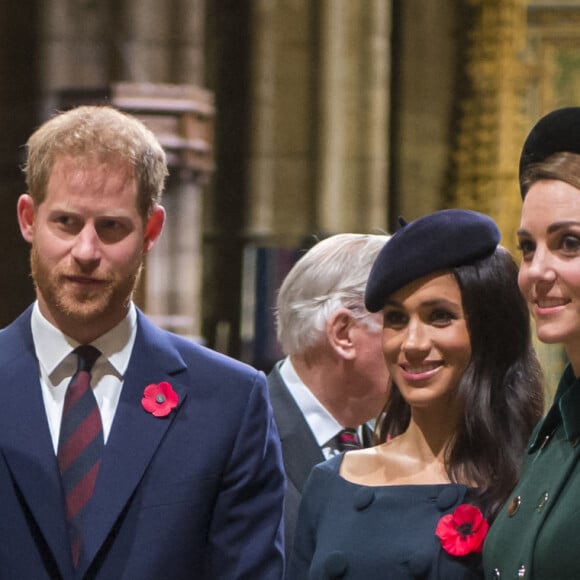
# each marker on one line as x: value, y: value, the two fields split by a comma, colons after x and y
x: 514, y: 506
x: 522, y: 571
x: 543, y: 501
x: 495, y: 575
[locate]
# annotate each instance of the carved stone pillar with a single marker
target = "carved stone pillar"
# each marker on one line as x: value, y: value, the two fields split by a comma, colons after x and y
x: 264, y: 123
x: 280, y: 160
x: 181, y: 116
x: 353, y: 115
x: 74, y: 48
x: 489, y: 140
x: 318, y: 134
x: 427, y: 47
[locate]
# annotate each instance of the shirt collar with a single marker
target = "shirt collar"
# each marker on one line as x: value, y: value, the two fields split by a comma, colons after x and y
x: 53, y: 346
x: 322, y: 424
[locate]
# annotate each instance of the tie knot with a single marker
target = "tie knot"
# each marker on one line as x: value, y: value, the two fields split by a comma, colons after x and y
x: 348, y: 439
x: 87, y: 355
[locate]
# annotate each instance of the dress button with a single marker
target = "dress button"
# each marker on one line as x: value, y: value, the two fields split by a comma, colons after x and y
x: 335, y: 565
x: 495, y: 574
x: 543, y: 501
x: 514, y: 506
x: 522, y: 571
x: 420, y: 564
x: 363, y: 498
x: 447, y: 498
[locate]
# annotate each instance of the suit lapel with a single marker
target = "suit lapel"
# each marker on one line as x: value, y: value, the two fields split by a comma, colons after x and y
x: 26, y: 442
x: 135, y: 434
x: 299, y: 447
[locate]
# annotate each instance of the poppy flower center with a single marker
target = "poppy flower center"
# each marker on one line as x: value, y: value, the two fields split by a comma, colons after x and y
x: 160, y: 398
x: 465, y: 529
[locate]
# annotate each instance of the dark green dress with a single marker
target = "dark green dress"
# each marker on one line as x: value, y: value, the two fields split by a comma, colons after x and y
x: 537, y: 533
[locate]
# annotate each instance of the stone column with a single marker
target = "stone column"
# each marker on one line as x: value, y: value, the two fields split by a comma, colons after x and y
x: 173, y: 272
x: 279, y: 160
x: 353, y: 108
x: 264, y: 89
x: 74, y: 48
x: 490, y: 136
x: 318, y: 120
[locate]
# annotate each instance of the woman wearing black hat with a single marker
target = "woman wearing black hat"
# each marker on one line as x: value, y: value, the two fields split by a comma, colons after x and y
x: 537, y: 534
x: 467, y: 392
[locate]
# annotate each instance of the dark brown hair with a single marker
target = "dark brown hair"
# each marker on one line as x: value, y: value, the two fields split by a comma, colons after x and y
x: 502, y: 387
x: 562, y: 166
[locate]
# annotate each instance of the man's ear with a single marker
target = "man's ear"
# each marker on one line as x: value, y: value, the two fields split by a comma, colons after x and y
x: 26, y: 214
x: 154, y: 227
x: 339, y: 333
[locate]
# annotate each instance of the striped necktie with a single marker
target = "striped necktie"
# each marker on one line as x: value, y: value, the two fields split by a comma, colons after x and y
x: 347, y: 440
x: 80, y: 445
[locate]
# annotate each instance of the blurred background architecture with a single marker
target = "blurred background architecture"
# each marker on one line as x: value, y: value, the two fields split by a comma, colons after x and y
x: 286, y: 120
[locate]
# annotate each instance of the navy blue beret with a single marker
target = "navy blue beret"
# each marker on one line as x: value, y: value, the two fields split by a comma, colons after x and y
x: 558, y: 131
x: 438, y: 241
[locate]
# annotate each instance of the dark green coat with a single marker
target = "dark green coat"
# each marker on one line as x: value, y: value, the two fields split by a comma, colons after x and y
x: 537, y: 533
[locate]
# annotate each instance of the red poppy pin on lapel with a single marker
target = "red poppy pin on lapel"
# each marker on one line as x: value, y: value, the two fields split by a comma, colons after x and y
x: 463, y: 531
x: 159, y: 399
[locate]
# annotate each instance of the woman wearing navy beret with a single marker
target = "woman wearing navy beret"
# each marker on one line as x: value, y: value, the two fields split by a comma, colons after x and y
x: 466, y: 395
x: 537, y: 534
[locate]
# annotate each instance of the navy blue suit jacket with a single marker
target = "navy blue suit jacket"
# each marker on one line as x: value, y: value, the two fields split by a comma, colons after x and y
x: 197, y: 494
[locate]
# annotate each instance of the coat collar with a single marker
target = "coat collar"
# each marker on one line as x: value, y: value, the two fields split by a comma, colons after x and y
x: 565, y: 411
x: 299, y: 447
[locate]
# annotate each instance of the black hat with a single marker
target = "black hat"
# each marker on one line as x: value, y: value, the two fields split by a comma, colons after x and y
x: 556, y: 132
x: 438, y: 241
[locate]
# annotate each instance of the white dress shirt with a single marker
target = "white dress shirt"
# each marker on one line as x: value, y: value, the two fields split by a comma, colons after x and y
x: 322, y: 424
x: 58, y: 364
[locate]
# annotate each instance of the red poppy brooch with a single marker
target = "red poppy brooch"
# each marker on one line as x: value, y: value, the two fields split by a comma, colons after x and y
x: 463, y: 531
x: 159, y: 399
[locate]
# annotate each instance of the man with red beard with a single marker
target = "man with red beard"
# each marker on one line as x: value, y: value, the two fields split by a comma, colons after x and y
x: 125, y: 451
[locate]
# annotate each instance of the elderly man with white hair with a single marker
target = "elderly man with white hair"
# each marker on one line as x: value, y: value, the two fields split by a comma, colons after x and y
x: 334, y: 378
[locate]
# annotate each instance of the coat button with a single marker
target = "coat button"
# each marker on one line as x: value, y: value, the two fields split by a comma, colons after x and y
x: 495, y: 574
x: 543, y: 501
x: 514, y: 506
x: 545, y: 441
x: 522, y: 571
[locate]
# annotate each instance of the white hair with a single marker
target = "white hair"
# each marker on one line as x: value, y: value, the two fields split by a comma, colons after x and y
x: 331, y: 275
